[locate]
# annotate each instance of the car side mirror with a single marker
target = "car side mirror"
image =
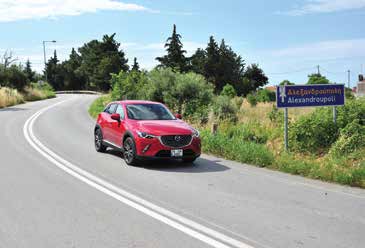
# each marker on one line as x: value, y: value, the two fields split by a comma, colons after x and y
x: 179, y: 116
x: 115, y: 117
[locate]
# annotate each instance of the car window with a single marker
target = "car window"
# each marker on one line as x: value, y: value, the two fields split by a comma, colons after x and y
x: 110, y: 109
x: 120, y: 111
x: 149, y: 112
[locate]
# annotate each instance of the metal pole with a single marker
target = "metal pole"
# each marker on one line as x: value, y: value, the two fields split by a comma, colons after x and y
x: 286, y: 129
x: 348, y: 79
x: 45, y: 62
x: 335, y: 114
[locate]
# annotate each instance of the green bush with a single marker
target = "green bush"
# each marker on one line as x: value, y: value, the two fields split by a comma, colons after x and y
x: 265, y: 95
x: 229, y: 91
x: 237, y: 101
x: 224, y: 109
x: 128, y: 85
x: 236, y: 149
x: 314, y: 132
x: 352, y: 137
x: 252, y: 99
x: 98, y: 105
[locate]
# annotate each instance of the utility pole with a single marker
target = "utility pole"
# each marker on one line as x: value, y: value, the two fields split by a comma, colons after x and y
x: 318, y: 72
x: 44, y: 56
x: 348, y: 79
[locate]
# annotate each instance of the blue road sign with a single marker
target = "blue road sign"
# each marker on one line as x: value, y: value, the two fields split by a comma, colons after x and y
x: 292, y: 96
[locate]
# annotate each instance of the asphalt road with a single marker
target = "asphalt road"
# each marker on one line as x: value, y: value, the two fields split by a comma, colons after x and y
x: 57, y: 191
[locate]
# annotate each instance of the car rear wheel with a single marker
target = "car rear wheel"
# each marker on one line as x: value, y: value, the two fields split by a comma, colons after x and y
x: 98, y: 140
x: 129, y: 151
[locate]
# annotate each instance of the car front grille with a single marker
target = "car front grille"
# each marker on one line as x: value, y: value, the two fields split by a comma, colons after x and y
x: 176, y: 141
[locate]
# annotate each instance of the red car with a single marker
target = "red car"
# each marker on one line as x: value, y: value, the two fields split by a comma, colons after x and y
x: 145, y: 130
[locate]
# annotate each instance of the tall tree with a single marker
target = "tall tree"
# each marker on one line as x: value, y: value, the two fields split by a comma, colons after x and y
x: 212, y: 62
x: 198, y: 60
x: 175, y: 57
x: 100, y: 60
x: 135, y: 66
x: 74, y: 79
x: 30, y: 74
x: 254, y: 78
x: 54, y: 72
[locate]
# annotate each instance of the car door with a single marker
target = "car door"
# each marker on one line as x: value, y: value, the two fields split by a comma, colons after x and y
x: 118, y: 129
x: 108, y: 122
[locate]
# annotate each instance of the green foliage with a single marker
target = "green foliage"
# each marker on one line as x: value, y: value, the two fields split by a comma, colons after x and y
x: 314, y: 132
x: 352, y: 137
x: 317, y: 79
x: 264, y: 95
x: 99, y: 59
x: 135, y: 66
x: 29, y: 73
x: 286, y: 82
x: 236, y: 148
x: 73, y: 78
x: 317, y: 131
x: 275, y: 115
x: 15, y: 77
x: 252, y: 99
x: 255, y: 78
x: 128, y: 85
x: 349, y: 95
x: 175, y: 57
x: 237, y: 101
x: 99, y: 105
x: 198, y: 61
x: 224, y: 109
x: 229, y: 91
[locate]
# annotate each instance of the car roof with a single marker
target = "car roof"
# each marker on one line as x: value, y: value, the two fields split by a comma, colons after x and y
x: 136, y: 102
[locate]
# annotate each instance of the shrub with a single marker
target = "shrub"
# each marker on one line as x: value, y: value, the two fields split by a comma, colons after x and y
x: 237, y: 101
x: 9, y: 97
x: 236, y: 149
x: 275, y: 115
x: 352, y: 137
x: 265, y: 95
x: 98, y: 105
x: 223, y: 109
x: 229, y: 91
x: 313, y: 132
x: 128, y: 85
x: 252, y: 100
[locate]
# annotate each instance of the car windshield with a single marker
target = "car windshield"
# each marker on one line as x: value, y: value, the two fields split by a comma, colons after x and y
x: 147, y: 111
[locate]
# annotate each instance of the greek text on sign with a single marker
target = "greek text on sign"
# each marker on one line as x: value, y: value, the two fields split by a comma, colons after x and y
x: 291, y: 96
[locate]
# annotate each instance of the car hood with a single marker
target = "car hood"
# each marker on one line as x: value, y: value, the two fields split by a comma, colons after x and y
x: 167, y: 127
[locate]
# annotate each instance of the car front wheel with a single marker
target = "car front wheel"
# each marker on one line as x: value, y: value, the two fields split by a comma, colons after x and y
x: 98, y: 141
x: 129, y: 151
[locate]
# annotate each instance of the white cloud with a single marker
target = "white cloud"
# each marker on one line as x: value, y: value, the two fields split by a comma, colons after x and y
x: 12, y: 10
x: 325, y: 6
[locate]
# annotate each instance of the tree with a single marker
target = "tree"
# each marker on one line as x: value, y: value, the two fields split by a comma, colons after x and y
x: 316, y: 78
x: 175, y: 57
x: 15, y: 77
x: 212, y: 61
x: 255, y: 78
x: 198, y: 60
x: 99, y: 60
x: 135, y: 66
x: 73, y: 78
x: 29, y: 73
x: 286, y: 82
x: 54, y: 72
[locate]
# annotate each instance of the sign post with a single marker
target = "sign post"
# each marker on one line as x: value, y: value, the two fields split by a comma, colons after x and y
x: 319, y: 95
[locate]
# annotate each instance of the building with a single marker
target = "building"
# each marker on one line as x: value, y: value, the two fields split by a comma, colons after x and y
x: 360, y: 90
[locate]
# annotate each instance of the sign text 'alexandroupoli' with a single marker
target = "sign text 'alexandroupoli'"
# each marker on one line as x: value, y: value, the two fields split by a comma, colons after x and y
x: 290, y: 96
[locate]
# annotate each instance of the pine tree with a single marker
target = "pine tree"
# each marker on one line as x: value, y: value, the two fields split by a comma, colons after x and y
x: 212, y: 62
x: 73, y: 79
x: 175, y: 57
x: 53, y: 72
x: 30, y: 74
x: 135, y: 66
x: 198, y: 60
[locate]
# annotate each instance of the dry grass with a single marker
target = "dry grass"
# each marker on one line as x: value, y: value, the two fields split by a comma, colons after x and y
x: 10, y: 97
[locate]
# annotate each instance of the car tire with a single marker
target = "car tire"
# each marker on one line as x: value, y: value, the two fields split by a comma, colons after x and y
x: 188, y: 160
x: 129, y: 151
x: 98, y: 141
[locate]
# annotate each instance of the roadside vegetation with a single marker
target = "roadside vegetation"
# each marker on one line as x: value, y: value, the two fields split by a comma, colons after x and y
x: 18, y: 83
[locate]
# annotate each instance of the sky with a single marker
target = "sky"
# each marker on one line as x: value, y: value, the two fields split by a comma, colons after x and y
x: 287, y: 38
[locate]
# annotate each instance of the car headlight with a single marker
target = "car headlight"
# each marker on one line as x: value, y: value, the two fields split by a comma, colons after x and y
x: 145, y: 135
x: 196, y: 133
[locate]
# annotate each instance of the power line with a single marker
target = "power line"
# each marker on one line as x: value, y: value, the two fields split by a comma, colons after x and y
x: 291, y: 72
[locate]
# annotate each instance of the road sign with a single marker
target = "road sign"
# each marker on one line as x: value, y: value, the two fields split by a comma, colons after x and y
x: 293, y: 96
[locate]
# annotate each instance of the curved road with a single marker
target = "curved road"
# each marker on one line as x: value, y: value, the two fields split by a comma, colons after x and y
x: 56, y: 191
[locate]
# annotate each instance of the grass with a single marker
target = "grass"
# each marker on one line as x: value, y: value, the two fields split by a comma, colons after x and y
x: 10, y: 97
x: 98, y: 105
x: 257, y: 140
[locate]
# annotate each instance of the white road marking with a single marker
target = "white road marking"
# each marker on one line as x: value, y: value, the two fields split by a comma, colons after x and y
x: 194, y: 229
